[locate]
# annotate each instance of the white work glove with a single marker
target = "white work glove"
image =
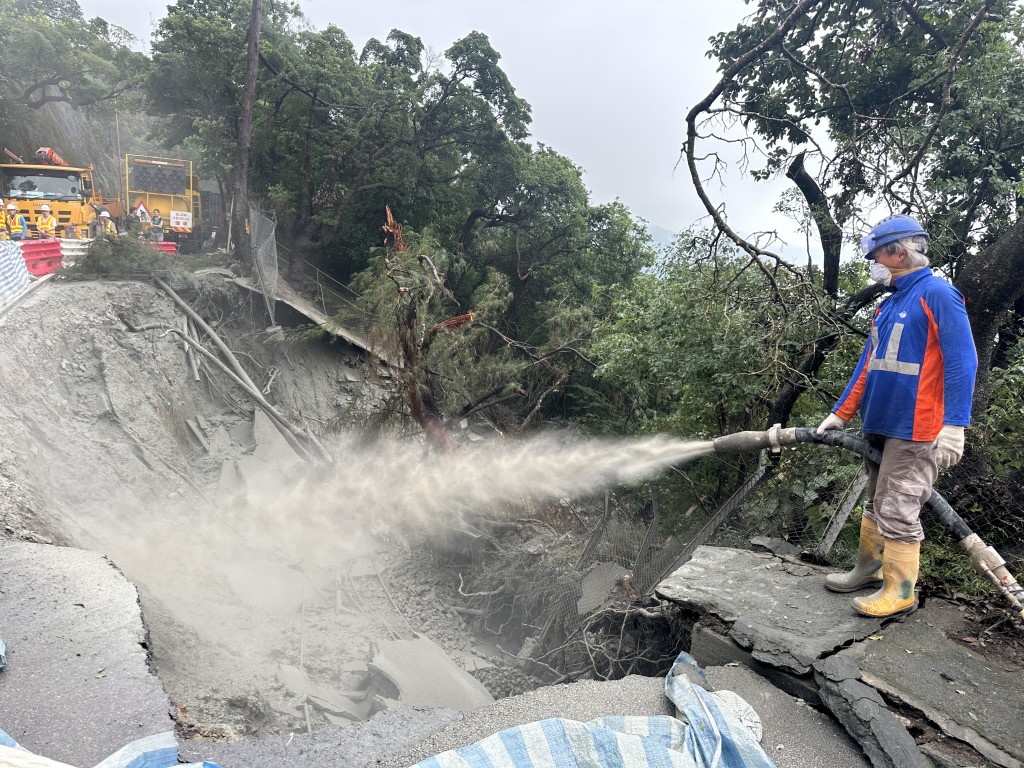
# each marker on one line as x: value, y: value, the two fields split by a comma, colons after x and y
x: 949, y: 445
x: 831, y: 422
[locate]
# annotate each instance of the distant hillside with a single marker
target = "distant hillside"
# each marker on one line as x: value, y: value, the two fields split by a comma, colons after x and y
x: 82, y: 137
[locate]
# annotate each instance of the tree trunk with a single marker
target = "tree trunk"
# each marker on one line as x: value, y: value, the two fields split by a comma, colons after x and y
x: 241, y: 236
x: 418, y: 392
x: 304, y: 210
x: 828, y: 231
x: 990, y: 285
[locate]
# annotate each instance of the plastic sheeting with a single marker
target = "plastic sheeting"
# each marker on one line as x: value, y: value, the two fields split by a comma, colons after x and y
x: 708, y: 732
x: 703, y: 735
x: 13, y: 272
x: 157, y: 751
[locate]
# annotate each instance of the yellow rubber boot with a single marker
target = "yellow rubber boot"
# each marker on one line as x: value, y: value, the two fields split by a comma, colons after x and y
x: 900, y: 563
x: 868, y: 570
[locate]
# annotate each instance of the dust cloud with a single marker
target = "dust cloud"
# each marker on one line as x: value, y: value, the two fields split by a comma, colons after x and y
x: 235, y: 585
x: 396, y: 486
x: 288, y: 513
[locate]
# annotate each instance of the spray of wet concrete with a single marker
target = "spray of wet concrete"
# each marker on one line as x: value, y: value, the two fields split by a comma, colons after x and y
x: 231, y: 590
x: 235, y: 583
x: 392, y: 486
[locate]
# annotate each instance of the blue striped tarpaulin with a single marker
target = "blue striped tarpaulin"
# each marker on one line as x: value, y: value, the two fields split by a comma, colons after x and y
x: 13, y: 272
x: 157, y: 751
x: 703, y: 736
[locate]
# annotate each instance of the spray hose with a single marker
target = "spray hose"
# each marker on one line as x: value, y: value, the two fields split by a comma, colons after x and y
x: 985, y: 559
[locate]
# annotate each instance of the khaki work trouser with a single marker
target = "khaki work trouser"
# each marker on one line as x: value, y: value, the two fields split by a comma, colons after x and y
x: 899, y: 486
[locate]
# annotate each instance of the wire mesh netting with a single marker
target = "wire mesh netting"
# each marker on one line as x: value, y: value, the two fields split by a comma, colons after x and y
x: 264, y: 256
x: 335, y: 299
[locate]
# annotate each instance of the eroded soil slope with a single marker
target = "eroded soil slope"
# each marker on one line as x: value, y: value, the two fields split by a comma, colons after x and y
x: 112, y: 445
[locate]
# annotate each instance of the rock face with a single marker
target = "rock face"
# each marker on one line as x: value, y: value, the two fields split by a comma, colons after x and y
x: 774, y: 615
x: 112, y: 445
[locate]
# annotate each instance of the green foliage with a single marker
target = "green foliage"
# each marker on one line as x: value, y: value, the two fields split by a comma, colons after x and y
x: 1002, y: 425
x: 53, y: 54
x: 122, y: 258
x: 699, y: 346
x: 339, y: 135
x: 922, y: 108
x: 946, y: 570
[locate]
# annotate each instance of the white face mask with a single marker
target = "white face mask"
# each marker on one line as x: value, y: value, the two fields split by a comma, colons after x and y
x: 880, y: 274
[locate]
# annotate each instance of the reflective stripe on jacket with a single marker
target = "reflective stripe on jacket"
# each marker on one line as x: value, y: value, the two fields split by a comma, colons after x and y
x: 918, y: 366
x: 47, y: 225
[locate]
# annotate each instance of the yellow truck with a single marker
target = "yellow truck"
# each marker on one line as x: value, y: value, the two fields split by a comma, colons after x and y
x: 166, y: 185
x: 67, y: 189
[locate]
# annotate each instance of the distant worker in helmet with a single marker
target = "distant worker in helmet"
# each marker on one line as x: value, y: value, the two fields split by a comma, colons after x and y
x: 15, y: 227
x: 46, y: 224
x: 105, y: 225
x: 913, y: 388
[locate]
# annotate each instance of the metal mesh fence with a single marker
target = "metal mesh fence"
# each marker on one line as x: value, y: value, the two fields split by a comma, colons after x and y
x: 335, y: 299
x: 264, y: 256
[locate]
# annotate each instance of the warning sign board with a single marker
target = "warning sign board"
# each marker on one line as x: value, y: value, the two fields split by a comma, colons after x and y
x: 181, y: 220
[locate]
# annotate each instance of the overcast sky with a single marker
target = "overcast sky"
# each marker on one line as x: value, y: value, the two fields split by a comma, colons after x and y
x: 609, y: 81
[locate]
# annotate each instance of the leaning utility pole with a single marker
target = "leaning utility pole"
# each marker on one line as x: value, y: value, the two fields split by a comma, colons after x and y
x: 241, y: 207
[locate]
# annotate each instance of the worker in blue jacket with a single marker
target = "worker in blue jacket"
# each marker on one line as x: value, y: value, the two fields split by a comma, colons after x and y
x: 913, y: 387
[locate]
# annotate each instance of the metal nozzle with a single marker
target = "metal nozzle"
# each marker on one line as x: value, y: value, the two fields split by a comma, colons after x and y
x: 742, y: 442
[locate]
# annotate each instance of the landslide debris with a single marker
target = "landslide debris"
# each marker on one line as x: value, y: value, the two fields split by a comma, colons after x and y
x: 113, y: 445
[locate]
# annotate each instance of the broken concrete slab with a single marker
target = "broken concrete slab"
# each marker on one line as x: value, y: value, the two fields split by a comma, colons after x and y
x: 963, y: 694
x: 777, y: 609
x: 795, y: 734
x: 354, y: 706
x: 424, y: 675
x: 77, y: 687
x: 863, y: 713
x: 599, y: 581
x: 774, y: 545
x: 712, y: 648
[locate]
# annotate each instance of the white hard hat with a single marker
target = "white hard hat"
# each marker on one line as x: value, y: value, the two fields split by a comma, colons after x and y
x: 44, y: 207
x: 105, y: 214
x: 12, y: 207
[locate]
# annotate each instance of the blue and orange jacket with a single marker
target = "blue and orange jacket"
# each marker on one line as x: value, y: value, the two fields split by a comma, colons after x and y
x: 917, y: 369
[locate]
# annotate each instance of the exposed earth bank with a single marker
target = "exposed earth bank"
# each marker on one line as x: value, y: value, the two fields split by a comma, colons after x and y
x: 111, y: 444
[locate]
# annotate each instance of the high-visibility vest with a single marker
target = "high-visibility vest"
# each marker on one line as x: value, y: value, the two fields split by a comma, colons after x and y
x: 15, y: 227
x: 107, y: 226
x: 47, y: 226
x: 5, y: 226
